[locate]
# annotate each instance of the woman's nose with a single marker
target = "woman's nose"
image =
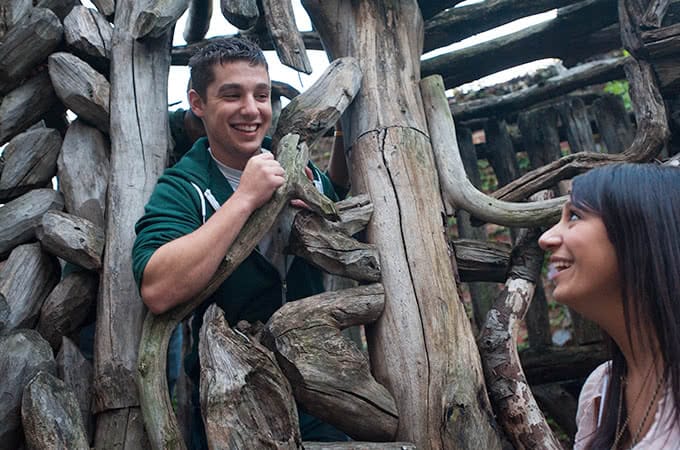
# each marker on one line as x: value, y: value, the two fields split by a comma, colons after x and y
x: 550, y: 239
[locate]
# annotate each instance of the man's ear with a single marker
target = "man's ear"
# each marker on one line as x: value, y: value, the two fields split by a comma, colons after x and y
x: 196, y: 103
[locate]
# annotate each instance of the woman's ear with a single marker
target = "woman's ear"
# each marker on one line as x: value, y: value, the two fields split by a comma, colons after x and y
x: 196, y: 103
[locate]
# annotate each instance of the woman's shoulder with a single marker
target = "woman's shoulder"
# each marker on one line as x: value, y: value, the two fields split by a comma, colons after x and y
x: 589, y: 401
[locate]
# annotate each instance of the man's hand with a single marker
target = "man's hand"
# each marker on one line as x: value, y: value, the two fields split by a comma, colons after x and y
x: 261, y: 177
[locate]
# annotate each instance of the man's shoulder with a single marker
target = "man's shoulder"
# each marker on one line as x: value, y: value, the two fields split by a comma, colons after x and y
x: 193, y: 166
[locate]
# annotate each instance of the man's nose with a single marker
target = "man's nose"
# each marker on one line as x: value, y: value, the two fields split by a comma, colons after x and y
x: 249, y: 105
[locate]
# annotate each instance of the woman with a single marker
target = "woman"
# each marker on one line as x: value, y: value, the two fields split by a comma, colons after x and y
x: 615, y: 259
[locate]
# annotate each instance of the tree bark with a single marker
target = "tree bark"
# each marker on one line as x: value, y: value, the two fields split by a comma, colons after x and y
x: 50, y: 415
x: 284, y: 32
x: 245, y: 399
x: 24, y: 354
x: 421, y: 348
x: 76, y: 372
x: 139, y: 151
x: 81, y: 88
x: 67, y: 307
x: 72, y: 238
x: 25, y: 281
x: 28, y: 43
x: 30, y: 162
x: 330, y: 376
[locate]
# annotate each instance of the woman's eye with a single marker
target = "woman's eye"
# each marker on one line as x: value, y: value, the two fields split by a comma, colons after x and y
x: 573, y: 216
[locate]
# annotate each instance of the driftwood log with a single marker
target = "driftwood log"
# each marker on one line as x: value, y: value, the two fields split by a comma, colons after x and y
x: 30, y: 162
x: 157, y: 17
x: 595, y: 72
x: 158, y: 412
x: 50, y: 415
x: 67, y: 307
x: 139, y: 150
x: 11, y: 13
x: 519, y: 414
x: 20, y: 217
x: 25, y: 281
x: 245, y: 399
x: 421, y: 348
x: 28, y: 43
x: 83, y: 171
x: 285, y: 35
x: 457, y: 190
x: 25, y: 106
x: 72, y: 238
x: 81, y: 88
x: 330, y: 376
x: 76, y: 372
x: 243, y: 14
x: 89, y: 35
x: 24, y: 354
x: 198, y: 20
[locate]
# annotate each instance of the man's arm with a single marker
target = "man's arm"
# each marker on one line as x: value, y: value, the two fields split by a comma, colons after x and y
x: 180, y: 269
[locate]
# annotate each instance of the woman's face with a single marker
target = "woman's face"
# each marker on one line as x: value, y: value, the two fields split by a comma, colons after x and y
x: 583, y: 262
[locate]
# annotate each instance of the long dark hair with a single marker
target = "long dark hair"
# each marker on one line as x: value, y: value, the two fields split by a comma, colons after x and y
x: 639, y: 205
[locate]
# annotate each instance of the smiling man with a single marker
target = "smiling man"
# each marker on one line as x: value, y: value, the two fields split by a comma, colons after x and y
x: 201, y: 204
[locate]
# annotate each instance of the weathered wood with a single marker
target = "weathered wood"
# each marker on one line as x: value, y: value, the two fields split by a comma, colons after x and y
x: 25, y: 106
x: 243, y: 14
x: 76, y: 372
x: 67, y: 307
x: 83, y: 171
x: 654, y: 14
x: 245, y: 399
x: 578, y: 77
x: 157, y: 407
x: 456, y: 24
x: 198, y: 20
x: 287, y: 40
x: 532, y: 43
x: 552, y: 364
x: 30, y: 162
x: 558, y: 404
x: 89, y: 34
x: 28, y: 43
x: 574, y: 117
x: 358, y: 445
x: 11, y: 13
x: 663, y: 41
x: 157, y: 17
x: 456, y: 189
x: 139, y: 152
x: 513, y: 401
x: 500, y: 151
x: 319, y: 108
x: 20, y: 217
x: 50, y: 415
x: 430, y: 8
x: 24, y: 354
x: 355, y: 213
x: 325, y: 246
x: 481, y: 261
x: 330, y: 376
x: 61, y: 8
x: 81, y: 88
x: 421, y: 348
x: 539, y: 135
x: 72, y: 238
x: 613, y: 123
x: 25, y: 281
x: 650, y: 137
x: 106, y: 7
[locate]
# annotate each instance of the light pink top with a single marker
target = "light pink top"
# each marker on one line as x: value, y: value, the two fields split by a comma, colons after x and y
x: 663, y: 434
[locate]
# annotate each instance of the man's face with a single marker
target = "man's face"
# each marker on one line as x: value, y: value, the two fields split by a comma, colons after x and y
x: 236, y: 111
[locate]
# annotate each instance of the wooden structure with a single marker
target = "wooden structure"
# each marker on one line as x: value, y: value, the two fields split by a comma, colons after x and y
x: 430, y: 383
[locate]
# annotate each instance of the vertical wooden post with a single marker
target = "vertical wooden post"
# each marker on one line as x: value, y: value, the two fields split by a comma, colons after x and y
x: 422, y: 348
x: 139, y: 147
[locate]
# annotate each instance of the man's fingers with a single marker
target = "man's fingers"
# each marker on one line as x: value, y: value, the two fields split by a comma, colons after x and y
x: 297, y: 203
x: 309, y: 173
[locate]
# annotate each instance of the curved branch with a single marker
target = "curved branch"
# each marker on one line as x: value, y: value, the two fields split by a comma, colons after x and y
x: 511, y: 397
x: 457, y: 189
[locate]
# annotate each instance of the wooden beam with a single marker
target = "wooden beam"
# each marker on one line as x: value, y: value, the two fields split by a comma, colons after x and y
x: 243, y: 14
x: 287, y: 40
x: 25, y: 106
x: 430, y: 8
x: 575, y: 78
x: 456, y: 24
x: 198, y: 20
x: 530, y: 44
x: 548, y: 365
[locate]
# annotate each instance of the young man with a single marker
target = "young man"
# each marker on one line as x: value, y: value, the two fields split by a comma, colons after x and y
x: 200, y: 205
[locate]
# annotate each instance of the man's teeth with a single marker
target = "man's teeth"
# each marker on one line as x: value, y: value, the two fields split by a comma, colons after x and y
x: 246, y: 127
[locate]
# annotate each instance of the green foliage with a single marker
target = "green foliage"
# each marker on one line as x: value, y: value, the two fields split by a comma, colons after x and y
x: 622, y: 89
